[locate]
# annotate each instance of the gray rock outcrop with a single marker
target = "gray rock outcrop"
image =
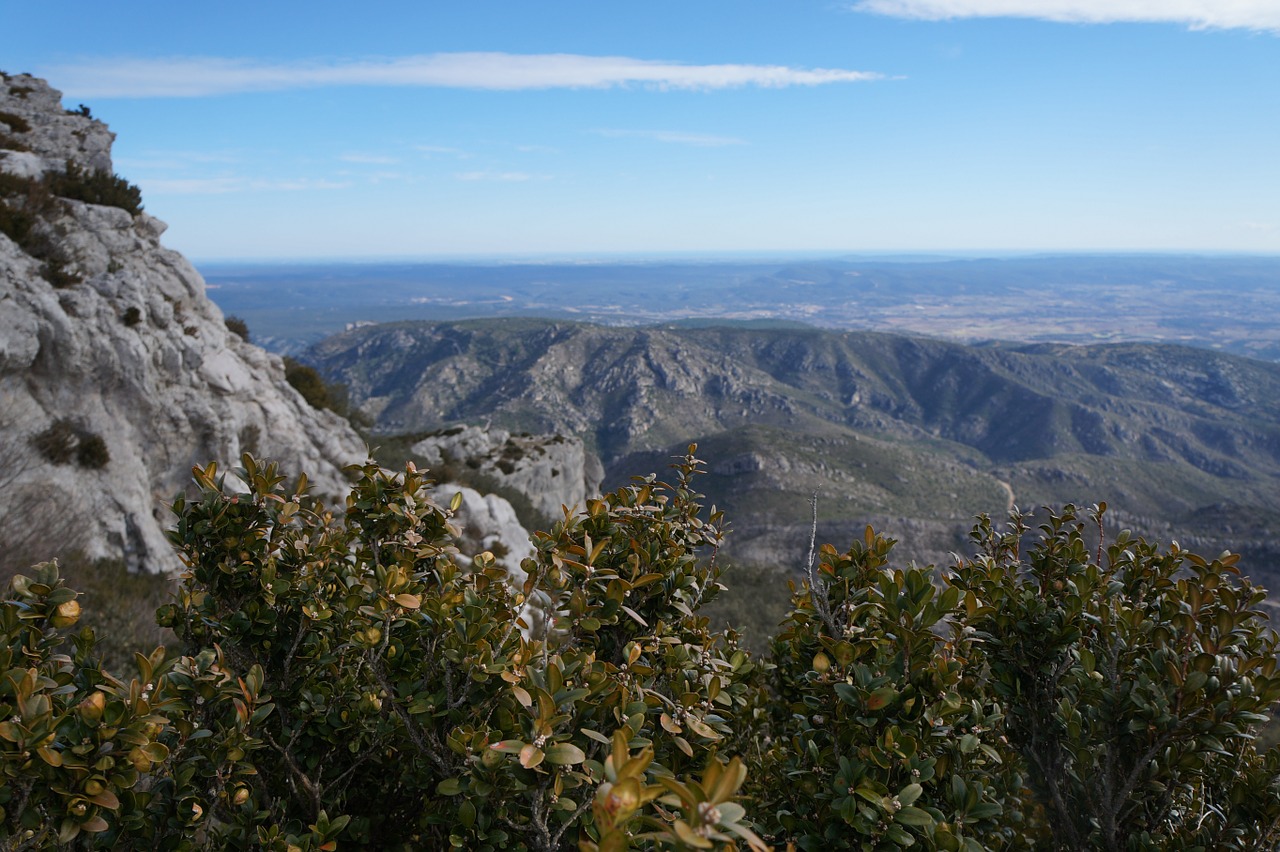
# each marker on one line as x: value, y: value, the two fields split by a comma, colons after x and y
x: 117, y: 373
x: 550, y: 470
x: 487, y: 522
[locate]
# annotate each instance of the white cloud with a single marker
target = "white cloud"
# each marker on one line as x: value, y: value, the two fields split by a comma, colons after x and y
x: 678, y: 137
x: 1198, y: 14
x: 208, y: 76
x: 431, y: 150
x: 368, y: 159
x: 223, y: 185
x: 509, y: 177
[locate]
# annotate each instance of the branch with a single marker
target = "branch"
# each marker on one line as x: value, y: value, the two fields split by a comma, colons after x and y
x: 817, y: 586
x: 297, y: 774
x: 414, y: 729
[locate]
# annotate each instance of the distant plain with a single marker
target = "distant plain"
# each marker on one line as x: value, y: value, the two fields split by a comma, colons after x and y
x: 1226, y: 302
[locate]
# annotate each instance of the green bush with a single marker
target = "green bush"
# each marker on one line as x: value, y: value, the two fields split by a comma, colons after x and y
x: 95, y: 187
x: 92, y: 453
x: 322, y: 395
x: 16, y: 123
x: 306, y: 381
x: 238, y: 327
x: 58, y: 442
x: 882, y: 733
x: 25, y: 204
x: 345, y: 680
x: 1135, y: 680
x: 63, y: 441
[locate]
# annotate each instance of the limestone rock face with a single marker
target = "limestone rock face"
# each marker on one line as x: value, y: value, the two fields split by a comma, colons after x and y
x: 54, y: 135
x: 487, y: 522
x: 126, y: 355
x: 550, y: 470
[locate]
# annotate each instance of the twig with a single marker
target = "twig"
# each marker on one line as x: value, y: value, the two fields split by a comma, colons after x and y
x: 818, y: 586
x: 813, y: 537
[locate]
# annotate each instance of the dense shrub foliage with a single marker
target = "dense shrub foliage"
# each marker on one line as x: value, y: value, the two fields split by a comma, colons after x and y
x: 95, y: 187
x: 345, y: 681
x: 319, y: 394
x: 238, y: 327
x: 63, y: 441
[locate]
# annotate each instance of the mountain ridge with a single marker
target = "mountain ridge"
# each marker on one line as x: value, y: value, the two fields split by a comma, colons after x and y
x: 1157, y: 430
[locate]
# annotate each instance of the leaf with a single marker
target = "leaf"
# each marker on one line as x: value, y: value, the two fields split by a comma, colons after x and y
x: 595, y: 735
x: 94, y: 824
x: 106, y: 799
x: 701, y: 728
x: 409, y: 601
x: 522, y: 695
x: 881, y: 698
x: 913, y: 816
x: 508, y: 746
x: 449, y: 787
x: 847, y: 693
x: 908, y: 794
x: 531, y: 756
x: 631, y: 612
x: 565, y: 754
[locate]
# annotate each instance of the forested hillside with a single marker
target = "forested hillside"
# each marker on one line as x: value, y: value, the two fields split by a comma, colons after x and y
x: 914, y: 434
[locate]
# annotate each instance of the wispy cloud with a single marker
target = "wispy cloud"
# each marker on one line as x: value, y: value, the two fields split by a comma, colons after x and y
x: 1198, y: 14
x: 368, y: 159
x: 174, y: 160
x: 224, y: 185
x: 442, y: 150
x: 677, y: 137
x: 208, y: 76
x: 509, y: 177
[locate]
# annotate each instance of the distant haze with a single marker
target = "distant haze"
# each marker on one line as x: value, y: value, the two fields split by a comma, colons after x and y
x: 1185, y: 299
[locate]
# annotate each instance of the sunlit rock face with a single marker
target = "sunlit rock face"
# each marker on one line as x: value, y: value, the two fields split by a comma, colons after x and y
x: 117, y: 373
x: 551, y: 471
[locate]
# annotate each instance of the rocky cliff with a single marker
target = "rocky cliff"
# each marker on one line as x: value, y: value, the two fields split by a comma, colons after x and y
x: 117, y: 373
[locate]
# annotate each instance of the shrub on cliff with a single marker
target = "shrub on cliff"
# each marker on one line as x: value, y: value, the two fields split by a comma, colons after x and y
x: 347, y: 681
x: 306, y: 381
x: 95, y: 187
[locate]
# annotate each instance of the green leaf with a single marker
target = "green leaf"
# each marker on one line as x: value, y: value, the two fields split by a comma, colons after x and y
x: 565, y: 754
x: 881, y: 698
x: 508, y: 746
x: 848, y: 694
x: 913, y: 816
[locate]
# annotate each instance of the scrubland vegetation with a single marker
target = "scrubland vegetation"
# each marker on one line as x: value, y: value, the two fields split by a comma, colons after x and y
x: 340, y: 680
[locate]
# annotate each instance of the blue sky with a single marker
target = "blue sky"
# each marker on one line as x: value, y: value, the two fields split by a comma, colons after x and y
x: 422, y: 129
